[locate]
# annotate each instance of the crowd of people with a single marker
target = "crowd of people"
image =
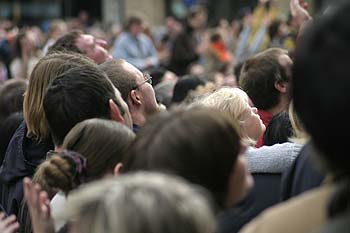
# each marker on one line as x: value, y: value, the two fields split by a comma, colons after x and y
x: 187, y: 128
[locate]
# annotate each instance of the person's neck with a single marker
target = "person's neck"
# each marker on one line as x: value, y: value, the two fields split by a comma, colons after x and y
x: 280, y: 107
x: 138, y: 118
x: 58, y: 148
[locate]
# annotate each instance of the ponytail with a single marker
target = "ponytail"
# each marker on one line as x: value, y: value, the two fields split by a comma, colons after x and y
x: 62, y: 171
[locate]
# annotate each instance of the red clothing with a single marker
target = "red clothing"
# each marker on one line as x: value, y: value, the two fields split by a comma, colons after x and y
x: 221, y: 51
x: 266, y: 118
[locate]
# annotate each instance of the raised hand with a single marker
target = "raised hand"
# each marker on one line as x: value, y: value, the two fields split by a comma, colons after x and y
x: 299, y: 11
x: 39, y: 207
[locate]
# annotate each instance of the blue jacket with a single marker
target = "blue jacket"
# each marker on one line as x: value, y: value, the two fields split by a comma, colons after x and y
x: 135, y: 50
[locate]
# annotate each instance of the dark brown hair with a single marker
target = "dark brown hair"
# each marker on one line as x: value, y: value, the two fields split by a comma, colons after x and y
x: 121, y: 78
x: 258, y: 77
x: 196, y: 144
x: 66, y: 43
x: 101, y: 142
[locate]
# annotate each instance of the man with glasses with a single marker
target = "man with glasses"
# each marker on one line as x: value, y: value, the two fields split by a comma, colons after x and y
x: 148, y: 79
x: 135, y: 87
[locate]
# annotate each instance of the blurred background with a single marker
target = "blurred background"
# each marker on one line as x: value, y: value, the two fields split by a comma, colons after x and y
x: 154, y: 11
x: 224, y: 33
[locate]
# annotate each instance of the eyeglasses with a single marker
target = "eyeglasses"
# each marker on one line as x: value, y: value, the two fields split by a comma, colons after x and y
x: 148, y: 79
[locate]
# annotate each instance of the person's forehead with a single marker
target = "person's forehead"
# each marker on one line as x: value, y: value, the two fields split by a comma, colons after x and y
x: 88, y: 39
x: 137, y: 74
x: 284, y: 59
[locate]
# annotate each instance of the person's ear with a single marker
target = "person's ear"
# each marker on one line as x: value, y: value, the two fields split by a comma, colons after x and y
x: 281, y: 86
x: 118, y: 169
x: 115, y: 112
x: 135, y: 97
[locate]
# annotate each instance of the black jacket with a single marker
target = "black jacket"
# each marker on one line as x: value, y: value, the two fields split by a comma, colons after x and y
x: 183, y: 52
x: 303, y: 175
x: 22, y: 157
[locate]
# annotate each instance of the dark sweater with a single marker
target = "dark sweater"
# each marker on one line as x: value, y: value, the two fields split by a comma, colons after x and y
x: 22, y: 157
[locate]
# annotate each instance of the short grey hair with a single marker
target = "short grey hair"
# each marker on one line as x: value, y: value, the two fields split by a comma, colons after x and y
x: 141, y: 203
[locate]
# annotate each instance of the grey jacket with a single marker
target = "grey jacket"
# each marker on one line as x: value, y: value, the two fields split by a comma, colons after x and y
x: 272, y: 159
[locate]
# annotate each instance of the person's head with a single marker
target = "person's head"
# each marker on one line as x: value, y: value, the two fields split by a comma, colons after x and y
x: 278, y: 29
x: 202, y: 147
x: 216, y: 37
x: 101, y: 144
x: 321, y: 92
x: 135, y: 87
x: 11, y: 97
x: 197, y: 17
x: 183, y: 86
x: 246, y: 16
x: 24, y: 43
x: 57, y: 29
x: 197, y: 94
x: 82, y: 93
x: 76, y: 41
x: 266, y: 78
x: 164, y: 92
x: 235, y: 104
x: 45, y: 71
x: 279, y: 129
x: 321, y: 88
x: 140, y: 203
x: 134, y: 25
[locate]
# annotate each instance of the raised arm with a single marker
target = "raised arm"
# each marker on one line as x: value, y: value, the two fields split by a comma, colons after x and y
x: 39, y: 207
x: 299, y: 11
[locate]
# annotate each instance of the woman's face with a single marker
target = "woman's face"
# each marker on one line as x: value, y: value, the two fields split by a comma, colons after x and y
x: 241, y: 181
x: 252, y: 125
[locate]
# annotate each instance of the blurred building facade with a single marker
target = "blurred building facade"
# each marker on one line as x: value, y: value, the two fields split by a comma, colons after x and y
x: 154, y: 11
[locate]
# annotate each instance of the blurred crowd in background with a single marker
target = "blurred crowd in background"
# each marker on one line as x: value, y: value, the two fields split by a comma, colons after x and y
x: 214, y: 52
x: 236, y: 126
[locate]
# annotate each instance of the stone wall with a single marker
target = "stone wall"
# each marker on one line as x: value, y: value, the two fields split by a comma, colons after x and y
x: 112, y: 11
x: 153, y: 11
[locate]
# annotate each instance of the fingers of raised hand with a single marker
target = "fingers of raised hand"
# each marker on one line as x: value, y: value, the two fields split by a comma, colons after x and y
x: 8, y: 224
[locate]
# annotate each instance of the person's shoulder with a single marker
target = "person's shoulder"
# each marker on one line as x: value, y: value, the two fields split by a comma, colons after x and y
x: 304, y: 213
x: 287, y: 146
x: 309, y: 201
x: 123, y: 37
x: 144, y: 37
x: 272, y: 159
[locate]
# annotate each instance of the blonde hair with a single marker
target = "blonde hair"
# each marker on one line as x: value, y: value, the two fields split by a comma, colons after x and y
x: 231, y: 101
x: 45, y: 71
x: 55, y: 24
x: 299, y: 134
x: 140, y: 203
